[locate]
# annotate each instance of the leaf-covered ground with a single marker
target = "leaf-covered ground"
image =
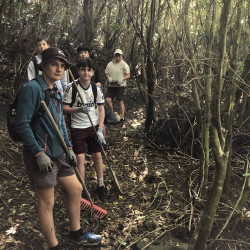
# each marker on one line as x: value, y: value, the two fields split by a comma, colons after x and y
x: 158, y: 209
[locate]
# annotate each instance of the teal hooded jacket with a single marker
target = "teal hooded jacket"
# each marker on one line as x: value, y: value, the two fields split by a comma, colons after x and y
x: 41, y: 136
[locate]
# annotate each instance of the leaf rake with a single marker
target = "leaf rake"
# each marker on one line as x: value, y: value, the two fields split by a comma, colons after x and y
x: 86, y: 205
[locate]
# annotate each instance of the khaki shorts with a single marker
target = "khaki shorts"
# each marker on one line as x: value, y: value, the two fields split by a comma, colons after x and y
x: 45, y: 179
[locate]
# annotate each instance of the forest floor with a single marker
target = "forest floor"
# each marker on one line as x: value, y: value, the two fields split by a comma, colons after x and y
x: 158, y: 209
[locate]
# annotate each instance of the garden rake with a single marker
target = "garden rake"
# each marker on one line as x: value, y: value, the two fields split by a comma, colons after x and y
x: 112, y: 172
x: 86, y: 205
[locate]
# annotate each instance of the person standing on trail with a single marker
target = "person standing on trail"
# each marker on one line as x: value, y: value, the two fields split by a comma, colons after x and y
x: 82, y: 131
x: 42, y: 43
x: 84, y: 52
x: 43, y: 155
x: 117, y: 73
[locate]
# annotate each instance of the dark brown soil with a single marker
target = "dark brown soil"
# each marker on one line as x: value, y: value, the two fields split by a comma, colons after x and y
x: 155, y: 206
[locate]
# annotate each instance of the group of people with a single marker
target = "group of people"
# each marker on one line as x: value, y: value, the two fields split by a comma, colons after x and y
x: 44, y: 158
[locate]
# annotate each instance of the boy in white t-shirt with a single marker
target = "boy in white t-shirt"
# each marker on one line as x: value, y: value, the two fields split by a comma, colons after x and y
x: 82, y: 131
x: 42, y: 43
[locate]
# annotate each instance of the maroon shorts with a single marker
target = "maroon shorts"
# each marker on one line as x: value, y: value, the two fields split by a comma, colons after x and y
x: 117, y: 92
x: 45, y: 179
x: 82, y: 136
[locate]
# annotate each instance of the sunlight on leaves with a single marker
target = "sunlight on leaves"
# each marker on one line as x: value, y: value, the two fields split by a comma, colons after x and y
x: 158, y: 173
x: 125, y: 138
x: 123, y: 243
x: 141, y: 217
x: 132, y: 175
x: 143, y: 174
x: 12, y: 230
x: 136, y: 123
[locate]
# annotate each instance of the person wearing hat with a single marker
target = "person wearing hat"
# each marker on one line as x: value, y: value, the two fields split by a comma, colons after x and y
x: 117, y: 73
x: 84, y: 52
x: 43, y: 155
x: 42, y: 43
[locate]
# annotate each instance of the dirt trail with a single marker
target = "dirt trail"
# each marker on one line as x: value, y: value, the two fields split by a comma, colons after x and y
x: 146, y: 176
x: 155, y: 209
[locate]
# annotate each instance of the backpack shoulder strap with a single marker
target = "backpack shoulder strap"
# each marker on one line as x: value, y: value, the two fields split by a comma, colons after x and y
x: 35, y: 65
x: 94, y: 89
x: 74, y: 92
x: 46, y: 92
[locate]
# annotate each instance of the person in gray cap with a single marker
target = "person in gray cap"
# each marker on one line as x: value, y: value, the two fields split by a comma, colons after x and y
x: 117, y: 73
x: 43, y: 155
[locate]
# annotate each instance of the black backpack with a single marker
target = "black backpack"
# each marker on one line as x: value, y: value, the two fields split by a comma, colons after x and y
x: 74, y: 92
x: 110, y: 118
x: 11, y: 114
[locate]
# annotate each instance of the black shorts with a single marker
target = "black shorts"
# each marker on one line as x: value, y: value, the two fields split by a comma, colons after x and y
x: 117, y: 92
x: 82, y: 136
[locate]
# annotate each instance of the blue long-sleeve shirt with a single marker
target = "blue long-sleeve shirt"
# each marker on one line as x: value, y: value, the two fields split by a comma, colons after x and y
x: 41, y: 136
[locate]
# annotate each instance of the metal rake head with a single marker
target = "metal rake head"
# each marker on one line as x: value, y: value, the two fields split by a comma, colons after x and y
x: 88, y: 206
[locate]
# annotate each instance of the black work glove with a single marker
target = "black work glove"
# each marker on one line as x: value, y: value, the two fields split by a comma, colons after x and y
x: 44, y: 162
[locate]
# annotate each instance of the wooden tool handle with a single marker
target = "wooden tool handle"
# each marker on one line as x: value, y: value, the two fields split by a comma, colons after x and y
x: 112, y: 172
x: 65, y: 147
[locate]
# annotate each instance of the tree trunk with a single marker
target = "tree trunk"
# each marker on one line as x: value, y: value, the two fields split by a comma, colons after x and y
x: 210, y: 30
x: 192, y: 61
x: 231, y: 102
x: 151, y: 72
x: 220, y: 156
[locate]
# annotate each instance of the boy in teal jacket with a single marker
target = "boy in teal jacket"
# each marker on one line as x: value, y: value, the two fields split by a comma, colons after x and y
x: 43, y: 156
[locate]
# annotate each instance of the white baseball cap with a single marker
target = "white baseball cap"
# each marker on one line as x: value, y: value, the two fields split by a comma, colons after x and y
x: 118, y: 51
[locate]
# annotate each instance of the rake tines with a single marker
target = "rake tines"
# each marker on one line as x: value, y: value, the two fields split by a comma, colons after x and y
x: 86, y: 205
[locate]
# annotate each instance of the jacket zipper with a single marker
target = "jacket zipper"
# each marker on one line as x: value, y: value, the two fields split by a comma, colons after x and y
x: 45, y: 143
x: 57, y: 115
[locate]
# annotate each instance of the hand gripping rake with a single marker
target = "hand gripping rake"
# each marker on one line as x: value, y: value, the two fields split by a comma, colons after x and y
x: 112, y: 172
x: 86, y: 205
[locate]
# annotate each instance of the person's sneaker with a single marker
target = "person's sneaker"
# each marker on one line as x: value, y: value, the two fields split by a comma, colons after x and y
x: 122, y: 120
x: 85, y: 238
x: 102, y: 193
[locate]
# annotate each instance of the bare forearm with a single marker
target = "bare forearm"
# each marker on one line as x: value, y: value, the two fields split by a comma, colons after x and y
x: 101, y: 113
x: 69, y: 110
x: 126, y: 77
